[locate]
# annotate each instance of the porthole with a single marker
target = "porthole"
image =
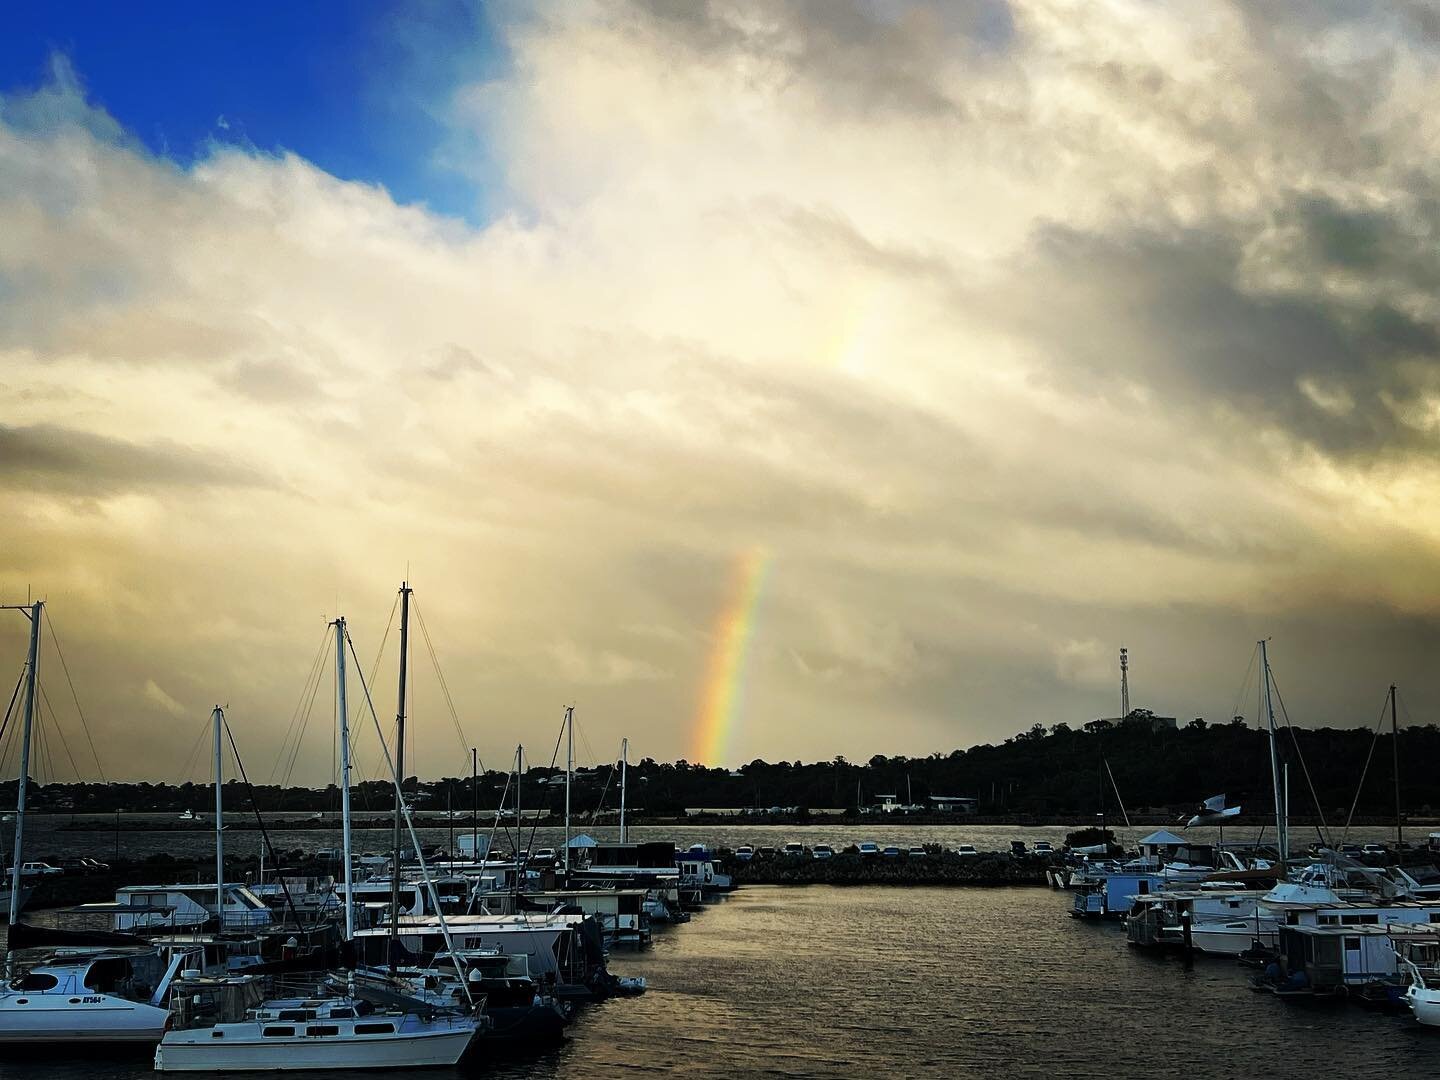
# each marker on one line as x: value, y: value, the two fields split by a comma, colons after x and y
x: 74, y: 1001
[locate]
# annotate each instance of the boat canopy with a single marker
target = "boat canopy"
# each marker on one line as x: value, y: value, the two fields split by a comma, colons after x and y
x: 583, y: 841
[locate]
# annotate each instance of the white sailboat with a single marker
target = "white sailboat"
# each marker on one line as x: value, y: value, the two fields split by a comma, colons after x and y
x: 310, y: 1033
x: 80, y: 996
x: 230, y: 1029
x: 73, y: 995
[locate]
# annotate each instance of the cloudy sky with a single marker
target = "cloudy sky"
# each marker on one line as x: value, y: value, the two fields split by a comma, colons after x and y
x: 998, y: 335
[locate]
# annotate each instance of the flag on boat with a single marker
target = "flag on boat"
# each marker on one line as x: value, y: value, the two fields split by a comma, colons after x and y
x: 1213, y: 809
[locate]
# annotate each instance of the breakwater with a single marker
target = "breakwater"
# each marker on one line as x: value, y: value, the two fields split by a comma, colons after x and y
x: 935, y: 868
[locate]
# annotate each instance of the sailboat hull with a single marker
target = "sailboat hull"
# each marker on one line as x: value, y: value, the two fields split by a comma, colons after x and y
x: 244, y: 1047
x: 65, y: 1018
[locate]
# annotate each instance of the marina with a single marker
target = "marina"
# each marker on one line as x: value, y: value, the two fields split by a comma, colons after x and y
x: 794, y: 539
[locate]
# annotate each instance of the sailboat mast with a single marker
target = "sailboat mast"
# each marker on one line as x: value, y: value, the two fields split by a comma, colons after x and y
x: 1282, y: 833
x: 474, y: 804
x: 405, y: 591
x: 519, y: 814
x: 218, y: 718
x: 1395, y: 750
x: 624, y: 764
x: 342, y: 706
x: 569, y: 771
x: 32, y: 669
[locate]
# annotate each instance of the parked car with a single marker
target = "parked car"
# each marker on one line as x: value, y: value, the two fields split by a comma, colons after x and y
x: 918, y: 850
x: 36, y: 869
x: 822, y: 851
x: 966, y: 850
x: 765, y: 852
x: 744, y: 853
x: 1041, y: 847
x: 544, y: 855
x: 1374, y: 849
x: 891, y: 852
x: 870, y: 848
x: 793, y: 850
x: 82, y: 865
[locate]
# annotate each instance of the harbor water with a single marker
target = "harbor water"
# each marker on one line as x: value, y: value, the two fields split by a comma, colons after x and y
x: 828, y: 982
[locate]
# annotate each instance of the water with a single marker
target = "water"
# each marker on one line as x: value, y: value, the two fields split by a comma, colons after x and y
x: 888, y: 982
x: 45, y: 836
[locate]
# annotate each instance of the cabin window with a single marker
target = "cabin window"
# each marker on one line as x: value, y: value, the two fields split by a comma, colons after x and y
x: 1329, y: 920
x: 342, y: 1014
x: 374, y: 1029
x: 278, y: 1032
x: 217, y: 1034
x: 35, y: 982
x: 322, y: 1029
x: 1352, y: 944
x: 292, y: 1014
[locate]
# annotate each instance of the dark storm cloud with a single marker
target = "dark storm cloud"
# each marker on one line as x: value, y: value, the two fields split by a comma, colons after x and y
x: 1174, y: 312
x: 46, y: 457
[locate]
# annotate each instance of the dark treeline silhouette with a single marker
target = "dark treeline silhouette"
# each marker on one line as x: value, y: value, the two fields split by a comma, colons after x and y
x: 1056, y: 772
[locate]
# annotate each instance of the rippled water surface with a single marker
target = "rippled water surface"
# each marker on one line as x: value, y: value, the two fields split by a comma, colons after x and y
x: 887, y: 982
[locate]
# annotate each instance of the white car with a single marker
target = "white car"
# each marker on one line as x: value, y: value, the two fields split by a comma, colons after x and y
x: 744, y: 853
x: 966, y: 850
x: 1041, y: 847
x: 823, y: 851
x: 37, y: 868
x: 793, y: 850
x: 869, y: 847
x: 1374, y: 849
x: 918, y: 851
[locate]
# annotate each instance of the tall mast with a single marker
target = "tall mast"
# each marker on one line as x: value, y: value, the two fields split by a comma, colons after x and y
x: 217, y: 716
x: 342, y: 706
x: 474, y: 805
x: 1395, y: 750
x: 569, y: 770
x: 32, y: 669
x: 1282, y: 832
x: 624, y: 764
x: 1124, y: 683
x: 405, y: 591
x: 519, y: 815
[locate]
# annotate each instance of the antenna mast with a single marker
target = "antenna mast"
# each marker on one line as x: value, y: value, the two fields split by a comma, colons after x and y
x: 1124, y: 682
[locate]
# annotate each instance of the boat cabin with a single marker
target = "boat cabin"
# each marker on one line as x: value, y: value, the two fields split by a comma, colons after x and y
x: 158, y: 908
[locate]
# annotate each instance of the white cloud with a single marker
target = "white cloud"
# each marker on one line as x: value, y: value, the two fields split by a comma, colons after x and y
x: 1082, y: 318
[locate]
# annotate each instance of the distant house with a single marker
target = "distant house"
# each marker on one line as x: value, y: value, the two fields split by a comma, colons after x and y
x: 954, y: 804
x: 1139, y: 718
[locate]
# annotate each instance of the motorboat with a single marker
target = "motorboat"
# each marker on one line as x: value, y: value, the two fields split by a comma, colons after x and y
x: 62, y: 997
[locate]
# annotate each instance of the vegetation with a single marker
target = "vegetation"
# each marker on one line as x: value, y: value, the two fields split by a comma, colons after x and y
x: 1055, y: 773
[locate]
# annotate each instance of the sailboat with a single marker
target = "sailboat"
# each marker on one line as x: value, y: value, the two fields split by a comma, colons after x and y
x: 227, y: 1025
x: 71, y: 995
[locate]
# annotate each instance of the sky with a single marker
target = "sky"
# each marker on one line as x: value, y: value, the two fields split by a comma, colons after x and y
x: 764, y: 380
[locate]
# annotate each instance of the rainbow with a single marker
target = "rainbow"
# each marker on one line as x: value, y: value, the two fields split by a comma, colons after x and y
x: 723, y: 690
